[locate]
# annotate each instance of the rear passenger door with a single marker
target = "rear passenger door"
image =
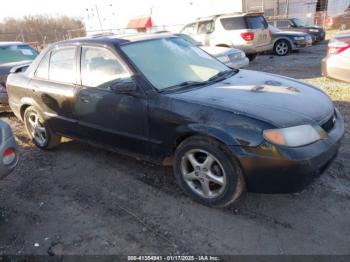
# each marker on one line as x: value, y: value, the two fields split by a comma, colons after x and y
x: 53, y: 87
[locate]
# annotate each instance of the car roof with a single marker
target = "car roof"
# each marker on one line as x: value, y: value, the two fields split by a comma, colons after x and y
x: 235, y: 14
x: 11, y: 43
x: 116, y: 39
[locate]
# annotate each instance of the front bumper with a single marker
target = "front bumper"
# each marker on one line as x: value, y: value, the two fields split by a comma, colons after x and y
x: 272, y: 169
x: 297, y: 44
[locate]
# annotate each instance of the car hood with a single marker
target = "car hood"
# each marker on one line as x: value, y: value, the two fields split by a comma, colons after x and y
x: 289, y: 33
x: 278, y: 100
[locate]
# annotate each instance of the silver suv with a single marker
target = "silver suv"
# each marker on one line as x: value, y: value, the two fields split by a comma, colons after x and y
x: 246, y: 31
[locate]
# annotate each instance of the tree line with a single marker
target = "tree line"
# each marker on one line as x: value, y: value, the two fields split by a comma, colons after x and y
x: 41, y: 29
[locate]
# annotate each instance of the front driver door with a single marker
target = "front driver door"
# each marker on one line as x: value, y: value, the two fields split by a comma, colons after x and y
x: 105, y: 115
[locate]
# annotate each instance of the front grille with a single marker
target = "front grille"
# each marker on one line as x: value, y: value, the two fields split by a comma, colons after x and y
x: 329, y: 124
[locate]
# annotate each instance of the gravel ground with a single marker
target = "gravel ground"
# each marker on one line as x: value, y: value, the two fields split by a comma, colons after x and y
x: 81, y: 200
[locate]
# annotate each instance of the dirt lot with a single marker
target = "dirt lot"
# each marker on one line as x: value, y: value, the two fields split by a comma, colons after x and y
x: 82, y: 200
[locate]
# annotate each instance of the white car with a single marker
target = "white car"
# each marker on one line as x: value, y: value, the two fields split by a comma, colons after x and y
x: 8, y: 150
x: 232, y: 57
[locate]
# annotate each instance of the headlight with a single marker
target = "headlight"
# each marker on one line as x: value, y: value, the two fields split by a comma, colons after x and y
x: 298, y: 38
x: 224, y: 59
x: 314, y: 30
x: 295, y: 136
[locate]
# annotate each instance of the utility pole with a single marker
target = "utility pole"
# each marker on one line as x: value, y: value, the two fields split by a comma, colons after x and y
x: 99, y: 18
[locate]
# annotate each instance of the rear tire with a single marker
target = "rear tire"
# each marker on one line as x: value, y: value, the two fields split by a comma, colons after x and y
x: 207, y: 172
x: 38, y: 129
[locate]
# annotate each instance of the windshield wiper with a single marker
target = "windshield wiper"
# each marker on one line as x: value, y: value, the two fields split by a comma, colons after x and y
x: 222, y: 75
x: 182, y: 85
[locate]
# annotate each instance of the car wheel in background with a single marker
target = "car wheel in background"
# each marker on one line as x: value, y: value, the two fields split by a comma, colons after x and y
x: 39, y: 130
x: 207, y: 173
x: 282, y: 47
x: 343, y: 27
x: 251, y: 57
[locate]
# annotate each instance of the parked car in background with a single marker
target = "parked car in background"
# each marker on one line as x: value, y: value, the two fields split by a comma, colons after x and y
x: 341, y: 21
x: 12, y: 54
x: 161, y: 98
x: 295, y: 24
x: 8, y: 150
x: 246, y: 31
x: 285, y: 42
x: 231, y: 57
x: 337, y: 62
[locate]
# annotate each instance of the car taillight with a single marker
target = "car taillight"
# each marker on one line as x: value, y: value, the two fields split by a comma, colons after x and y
x: 248, y: 36
x: 337, y: 49
x: 9, y: 156
x: 270, y: 33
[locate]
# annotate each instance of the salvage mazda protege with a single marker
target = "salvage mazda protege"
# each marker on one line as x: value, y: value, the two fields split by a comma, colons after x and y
x: 160, y: 98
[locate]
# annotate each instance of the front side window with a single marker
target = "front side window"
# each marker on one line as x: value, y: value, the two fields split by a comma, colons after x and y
x: 206, y: 27
x: 16, y: 53
x: 100, y: 66
x: 63, y: 65
x: 171, y: 61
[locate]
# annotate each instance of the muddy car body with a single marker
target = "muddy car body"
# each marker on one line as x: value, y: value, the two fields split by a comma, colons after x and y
x: 218, y: 127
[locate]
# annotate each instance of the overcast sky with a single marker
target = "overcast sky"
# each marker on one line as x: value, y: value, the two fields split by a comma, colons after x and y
x: 19, y: 8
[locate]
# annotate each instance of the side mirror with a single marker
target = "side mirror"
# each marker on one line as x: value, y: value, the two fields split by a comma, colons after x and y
x: 128, y: 87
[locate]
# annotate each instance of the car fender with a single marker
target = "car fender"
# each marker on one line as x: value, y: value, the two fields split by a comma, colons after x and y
x: 25, y: 102
x: 230, y: 136
x: 283, y: 38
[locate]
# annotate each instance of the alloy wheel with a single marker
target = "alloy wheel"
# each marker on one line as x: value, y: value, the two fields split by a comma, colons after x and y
x: 36, y: 129
x: 282, y: 48
x: 203, y: 173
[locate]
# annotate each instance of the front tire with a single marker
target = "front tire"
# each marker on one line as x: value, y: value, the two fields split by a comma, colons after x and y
x: 38, y: 129
x: 282, y: 48
x: 206, y: 171
x: 251, y: 57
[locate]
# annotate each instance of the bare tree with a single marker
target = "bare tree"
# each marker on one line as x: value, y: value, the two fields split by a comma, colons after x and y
x: 41, y: 29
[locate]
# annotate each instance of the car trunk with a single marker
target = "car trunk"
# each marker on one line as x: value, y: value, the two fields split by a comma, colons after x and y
x: 258, y: 25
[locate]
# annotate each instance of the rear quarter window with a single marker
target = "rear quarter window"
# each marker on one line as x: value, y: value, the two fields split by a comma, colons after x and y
x: 256, y: 22
x: 233, y: 23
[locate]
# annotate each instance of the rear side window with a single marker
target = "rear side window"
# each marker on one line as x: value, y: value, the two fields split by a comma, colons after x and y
x: 206, y: 27
x: 100, y: 66
x: 63, y: 65
x: 43, y: 69
x: 233, y: 23
x: 256, y: 22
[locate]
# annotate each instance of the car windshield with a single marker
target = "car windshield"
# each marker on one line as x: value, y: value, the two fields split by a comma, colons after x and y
x: 299, y: 22
x: 274, y: 29
x: 16, y: 53
x: 173, y: 61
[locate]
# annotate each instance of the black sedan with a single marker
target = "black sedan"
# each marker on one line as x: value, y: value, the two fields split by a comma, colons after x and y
x: 295, y: 24
x: 285, y: 42
x: 160, y: 98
